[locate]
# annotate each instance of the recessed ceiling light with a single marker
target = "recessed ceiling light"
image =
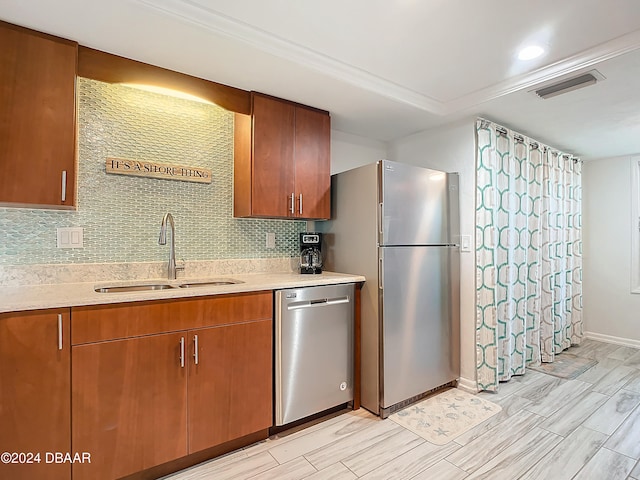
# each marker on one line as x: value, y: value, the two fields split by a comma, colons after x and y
x: 530, y: 52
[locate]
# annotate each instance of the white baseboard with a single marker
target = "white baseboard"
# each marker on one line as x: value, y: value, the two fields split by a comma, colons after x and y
x: 626, y: 342
x: 471, y: 386
x: 467, y: 385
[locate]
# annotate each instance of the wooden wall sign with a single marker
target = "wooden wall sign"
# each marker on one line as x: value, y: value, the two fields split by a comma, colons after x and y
x: 140, y: 168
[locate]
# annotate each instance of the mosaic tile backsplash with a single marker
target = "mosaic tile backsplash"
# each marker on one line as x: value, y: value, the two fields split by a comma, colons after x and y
x: 121, y: 215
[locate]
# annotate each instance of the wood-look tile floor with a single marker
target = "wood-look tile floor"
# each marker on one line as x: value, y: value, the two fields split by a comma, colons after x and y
x: 549, y: 428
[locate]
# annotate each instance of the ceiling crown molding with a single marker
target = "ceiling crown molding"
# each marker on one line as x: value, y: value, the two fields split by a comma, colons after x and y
x: 583, y: 60
x: 197, y: 14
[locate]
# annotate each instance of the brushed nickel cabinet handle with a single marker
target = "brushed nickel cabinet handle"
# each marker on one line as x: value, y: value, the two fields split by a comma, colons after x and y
x: 64, y: 185
x: 59, y: 331
x: 195, y: 349
x: 182, y: 352
x: 300, y: 204
x: 293, y: 202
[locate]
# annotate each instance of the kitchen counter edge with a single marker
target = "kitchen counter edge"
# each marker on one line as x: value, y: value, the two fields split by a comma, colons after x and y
x: 40, y: 297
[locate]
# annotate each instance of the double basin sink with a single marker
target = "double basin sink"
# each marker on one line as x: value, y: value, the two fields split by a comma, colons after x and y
x: 142, y: 287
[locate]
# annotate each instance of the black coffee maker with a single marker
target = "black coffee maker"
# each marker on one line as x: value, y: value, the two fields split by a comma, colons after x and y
x: 310, y: 252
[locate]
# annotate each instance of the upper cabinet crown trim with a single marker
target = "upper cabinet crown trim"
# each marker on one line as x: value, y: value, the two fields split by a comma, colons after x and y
x: 291, y: 102
x: 36, y: 33
x: 106, y: 67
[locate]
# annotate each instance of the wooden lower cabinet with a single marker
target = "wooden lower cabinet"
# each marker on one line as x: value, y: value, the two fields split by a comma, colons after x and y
x: 143, y: 401
x: 35, y: 393
x: 129, y: 405
x: 230, y: 386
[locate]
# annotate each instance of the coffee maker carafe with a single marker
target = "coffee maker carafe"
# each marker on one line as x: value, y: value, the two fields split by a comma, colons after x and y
x: 310, y: 252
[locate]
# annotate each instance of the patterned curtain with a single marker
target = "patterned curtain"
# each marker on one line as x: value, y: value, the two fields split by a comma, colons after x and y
x: 528, y: 253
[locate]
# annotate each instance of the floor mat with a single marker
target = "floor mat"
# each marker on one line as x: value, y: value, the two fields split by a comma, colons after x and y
x: 566, y: 366
x: 443, y: 417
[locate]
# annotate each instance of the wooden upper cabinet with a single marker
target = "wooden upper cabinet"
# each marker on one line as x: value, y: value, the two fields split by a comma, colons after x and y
x: 313, y: 175
x: 264, y: 169
x: 282, y: 161
x: 35, y: 398
x: 37, y: 118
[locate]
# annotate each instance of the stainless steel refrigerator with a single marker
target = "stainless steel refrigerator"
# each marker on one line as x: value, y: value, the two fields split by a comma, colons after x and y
x: 398, y: 225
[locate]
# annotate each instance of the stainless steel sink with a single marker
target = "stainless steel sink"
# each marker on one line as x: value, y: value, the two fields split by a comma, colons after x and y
x: 132, y: 288
x: 210, y: 283
x: 137, y: 287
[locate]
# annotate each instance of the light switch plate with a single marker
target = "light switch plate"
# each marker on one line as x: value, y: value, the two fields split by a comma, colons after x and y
x: 271, y: 240
x: 70, y: 237
x: 465, y: 243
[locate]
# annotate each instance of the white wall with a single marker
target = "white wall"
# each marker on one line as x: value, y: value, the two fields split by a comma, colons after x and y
x: 452, y: 148
x: 610, y: 312
x: 351, y: 151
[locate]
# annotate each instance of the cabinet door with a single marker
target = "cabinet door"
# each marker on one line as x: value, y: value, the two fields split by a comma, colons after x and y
x: 37, y: 118
x: 129, y: 404
x: 272, y: 170
x: 312, y: 163
x: 230, y: 386
x: 34, y: 391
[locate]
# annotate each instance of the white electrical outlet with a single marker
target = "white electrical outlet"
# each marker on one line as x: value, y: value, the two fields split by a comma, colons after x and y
x: 271, y: 240
x: 70, y: 237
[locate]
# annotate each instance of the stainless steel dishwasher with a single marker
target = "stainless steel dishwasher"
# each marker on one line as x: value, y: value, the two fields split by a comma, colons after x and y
x: 313, y: 350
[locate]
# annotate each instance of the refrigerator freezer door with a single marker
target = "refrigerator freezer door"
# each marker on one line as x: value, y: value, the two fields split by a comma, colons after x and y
x: 420, y: 320
x: 417, y: 206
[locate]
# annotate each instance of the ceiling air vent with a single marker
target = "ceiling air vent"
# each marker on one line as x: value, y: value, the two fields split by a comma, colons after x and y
x: 570, y: 84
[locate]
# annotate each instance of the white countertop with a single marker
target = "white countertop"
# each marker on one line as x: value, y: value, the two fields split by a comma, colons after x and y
x: 36, y: 297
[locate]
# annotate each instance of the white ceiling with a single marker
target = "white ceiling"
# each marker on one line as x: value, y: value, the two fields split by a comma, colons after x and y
x: 388, y: 68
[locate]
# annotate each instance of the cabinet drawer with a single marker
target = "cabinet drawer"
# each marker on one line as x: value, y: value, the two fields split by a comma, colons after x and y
x: 122, y: 320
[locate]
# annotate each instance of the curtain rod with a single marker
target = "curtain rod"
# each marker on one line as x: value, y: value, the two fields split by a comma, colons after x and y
x: 520, y: 138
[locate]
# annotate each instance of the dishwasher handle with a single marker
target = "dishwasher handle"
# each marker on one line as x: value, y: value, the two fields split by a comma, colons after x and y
x: 319, y: 302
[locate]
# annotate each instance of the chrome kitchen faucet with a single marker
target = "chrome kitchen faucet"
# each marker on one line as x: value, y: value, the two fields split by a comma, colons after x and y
x: 171, y: 270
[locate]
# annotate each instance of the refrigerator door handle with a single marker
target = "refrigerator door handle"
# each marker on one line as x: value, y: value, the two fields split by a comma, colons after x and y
x: 380, y: 217
x: 380, y: 282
